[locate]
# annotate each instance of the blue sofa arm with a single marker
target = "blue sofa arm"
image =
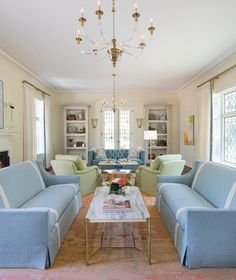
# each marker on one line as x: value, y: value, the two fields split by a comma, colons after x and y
x: 51, y: 179
x: 23, y: 238
x: 211, y: 238
x: 142, y: 156
x: 186, y: 179
x: 91, y: 155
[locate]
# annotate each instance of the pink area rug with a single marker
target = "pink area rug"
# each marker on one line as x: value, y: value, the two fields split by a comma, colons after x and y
x: 122, y: 263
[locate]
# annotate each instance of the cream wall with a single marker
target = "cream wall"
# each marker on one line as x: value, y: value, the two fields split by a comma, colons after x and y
x: 188, y: 101
x: 12, y: 75
x: 135, y: 100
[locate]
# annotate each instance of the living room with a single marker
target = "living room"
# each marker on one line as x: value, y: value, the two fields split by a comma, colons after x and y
x: 190, y: 55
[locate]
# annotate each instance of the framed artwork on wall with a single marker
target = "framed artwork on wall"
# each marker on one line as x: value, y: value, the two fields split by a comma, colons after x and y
x: 1, y: 106
x: 189, y: 131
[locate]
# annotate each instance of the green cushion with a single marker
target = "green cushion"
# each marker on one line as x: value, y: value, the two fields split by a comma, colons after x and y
x: 76, y: 159
x: 80, y: 164
x: 156, y: 163
x: 170, y: 157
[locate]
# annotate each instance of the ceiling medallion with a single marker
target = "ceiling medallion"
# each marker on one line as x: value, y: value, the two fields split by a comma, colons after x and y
x: 113, y: 48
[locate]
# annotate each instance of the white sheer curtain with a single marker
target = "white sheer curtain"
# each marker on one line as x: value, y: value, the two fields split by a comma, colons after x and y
x: 204, y: 122
x: 30, y: 94
x: 48, y: 129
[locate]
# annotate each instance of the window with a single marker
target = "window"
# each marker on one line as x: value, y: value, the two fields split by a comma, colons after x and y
x: 39, y: 126
x: 109, y: 129
x: 124, y: 128
x: 116, y: 128
x: 224, y: 127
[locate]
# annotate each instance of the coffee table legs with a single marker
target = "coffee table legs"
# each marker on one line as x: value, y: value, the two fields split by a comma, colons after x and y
x: 149, y: 241
x: 86, y: 241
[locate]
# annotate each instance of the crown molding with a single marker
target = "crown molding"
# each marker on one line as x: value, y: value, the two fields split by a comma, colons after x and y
x: 25, y: 69
x: 86, y: 91
x: 217, y: 62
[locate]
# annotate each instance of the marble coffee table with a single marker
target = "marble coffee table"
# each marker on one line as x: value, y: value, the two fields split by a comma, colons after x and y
x: 138, y: 213
x: 130, y: 164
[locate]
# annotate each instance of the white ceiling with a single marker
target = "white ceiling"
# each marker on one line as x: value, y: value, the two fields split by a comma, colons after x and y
x: 191, y: 36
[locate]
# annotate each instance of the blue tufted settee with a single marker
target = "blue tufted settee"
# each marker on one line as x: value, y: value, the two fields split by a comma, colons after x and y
x: 116, y: 154
x: 199, y: 210
x: 36, y: 211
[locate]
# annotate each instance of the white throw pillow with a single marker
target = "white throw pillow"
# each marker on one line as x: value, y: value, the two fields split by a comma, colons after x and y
x: 133, y: 152
x: 100, y: 153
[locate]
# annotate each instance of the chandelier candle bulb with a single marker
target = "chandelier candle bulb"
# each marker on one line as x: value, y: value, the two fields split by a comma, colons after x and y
x: 151, y: 22
x: 82, y: 19
x: 151, y: 29
x: 136, y: 14
x: 142, y: 44
x: 99, y: 5
x: 99, y: 11
x: 82, y: 12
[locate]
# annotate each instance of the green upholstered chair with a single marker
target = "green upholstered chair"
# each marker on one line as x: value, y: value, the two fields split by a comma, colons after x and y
x: 146, y: 177
x: 90, y: 177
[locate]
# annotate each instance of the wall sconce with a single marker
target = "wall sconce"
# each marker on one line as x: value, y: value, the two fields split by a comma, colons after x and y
x: 94, y: 122
x: 139, y: 122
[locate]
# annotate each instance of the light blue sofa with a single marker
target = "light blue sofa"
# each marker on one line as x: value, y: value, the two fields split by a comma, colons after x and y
x: 36, y: 211
x: 116, y: 154
x: 199, y: 210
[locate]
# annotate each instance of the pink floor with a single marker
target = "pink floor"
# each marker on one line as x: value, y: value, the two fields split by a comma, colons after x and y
x: 114, y: 264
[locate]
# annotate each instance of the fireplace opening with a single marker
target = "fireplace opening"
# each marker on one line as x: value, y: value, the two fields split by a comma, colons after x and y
x: 4, y: 159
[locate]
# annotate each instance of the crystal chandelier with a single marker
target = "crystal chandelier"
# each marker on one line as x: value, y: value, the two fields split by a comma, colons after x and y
x: 123, y: 102
x: 112, y: 48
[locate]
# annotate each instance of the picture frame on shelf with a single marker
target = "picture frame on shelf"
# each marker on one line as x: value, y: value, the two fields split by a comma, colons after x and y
x: 71, y: 117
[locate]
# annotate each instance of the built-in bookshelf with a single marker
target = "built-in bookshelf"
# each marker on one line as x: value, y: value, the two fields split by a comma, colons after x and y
x: 76, y: 131
x: 157, y: 118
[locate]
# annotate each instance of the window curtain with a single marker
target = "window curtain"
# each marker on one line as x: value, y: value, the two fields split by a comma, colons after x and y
x: 48, y: 130
x: 29, y: 135
x: 204, y: 122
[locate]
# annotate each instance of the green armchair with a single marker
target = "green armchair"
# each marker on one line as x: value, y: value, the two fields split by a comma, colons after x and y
x: 146, y: 177
x: 90, y: 177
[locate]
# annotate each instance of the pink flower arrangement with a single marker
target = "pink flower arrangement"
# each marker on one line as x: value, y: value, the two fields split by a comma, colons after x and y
x: 120, y: 181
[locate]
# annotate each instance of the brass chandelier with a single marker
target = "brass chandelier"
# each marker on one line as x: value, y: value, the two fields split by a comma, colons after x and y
x: 113, y: 48
x: 113, y: 105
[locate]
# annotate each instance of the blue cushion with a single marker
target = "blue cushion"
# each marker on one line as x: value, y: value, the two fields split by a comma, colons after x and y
x: 56, y: 198
x: 180, y: 198
x: 21, y: 182
x: 214, y: 182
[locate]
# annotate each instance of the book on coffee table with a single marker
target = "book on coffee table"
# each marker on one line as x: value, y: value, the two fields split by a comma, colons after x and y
x: 116, y: 203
